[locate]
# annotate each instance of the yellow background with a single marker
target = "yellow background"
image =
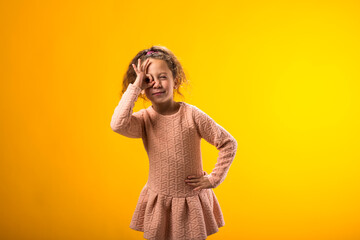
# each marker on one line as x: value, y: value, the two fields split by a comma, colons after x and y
x: 281, y: 76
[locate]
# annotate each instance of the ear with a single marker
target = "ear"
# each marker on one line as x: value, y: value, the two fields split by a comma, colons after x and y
x: 176, y: 84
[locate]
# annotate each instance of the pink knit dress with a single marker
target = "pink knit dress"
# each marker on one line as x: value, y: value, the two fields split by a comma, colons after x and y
x: 168, y: 208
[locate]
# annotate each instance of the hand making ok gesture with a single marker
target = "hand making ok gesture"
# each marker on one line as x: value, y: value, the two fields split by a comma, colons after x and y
x: 143, y: 80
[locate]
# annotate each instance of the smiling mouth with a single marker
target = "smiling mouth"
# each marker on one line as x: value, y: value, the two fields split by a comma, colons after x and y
x: 158, y: 93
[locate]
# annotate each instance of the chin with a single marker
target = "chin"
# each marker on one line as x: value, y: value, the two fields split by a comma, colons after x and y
x: 162, y: 100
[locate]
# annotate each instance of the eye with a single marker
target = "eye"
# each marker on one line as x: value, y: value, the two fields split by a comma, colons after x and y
x: 162, y: 77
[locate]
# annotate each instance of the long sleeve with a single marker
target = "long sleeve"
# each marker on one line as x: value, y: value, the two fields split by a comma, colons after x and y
x: 216, y: 135
x: 124, y: 121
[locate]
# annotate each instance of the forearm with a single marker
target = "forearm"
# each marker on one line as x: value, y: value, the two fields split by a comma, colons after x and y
x: 226, y: 156
x: 122, y: 115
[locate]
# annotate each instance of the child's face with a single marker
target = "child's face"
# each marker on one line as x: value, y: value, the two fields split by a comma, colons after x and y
x: 164, y: 82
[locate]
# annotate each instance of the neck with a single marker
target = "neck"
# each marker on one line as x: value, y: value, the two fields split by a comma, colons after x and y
x: 166, y: 108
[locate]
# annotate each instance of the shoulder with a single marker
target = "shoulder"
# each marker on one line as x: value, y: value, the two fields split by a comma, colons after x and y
x: 191, y: 107
x: 195, y: 111
x: 139, y: 113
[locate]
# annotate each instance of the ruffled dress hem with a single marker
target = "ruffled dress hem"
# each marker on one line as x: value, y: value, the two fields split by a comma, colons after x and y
x: 163, y: 217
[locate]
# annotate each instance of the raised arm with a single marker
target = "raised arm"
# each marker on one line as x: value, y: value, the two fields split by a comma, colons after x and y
x: 216, y: 135
x: 124, y: 121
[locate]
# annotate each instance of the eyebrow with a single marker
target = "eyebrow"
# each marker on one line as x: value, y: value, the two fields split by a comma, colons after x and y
x: 163, y: 72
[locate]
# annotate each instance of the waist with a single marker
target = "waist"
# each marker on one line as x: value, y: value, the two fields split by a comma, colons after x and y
x: 173, y: 184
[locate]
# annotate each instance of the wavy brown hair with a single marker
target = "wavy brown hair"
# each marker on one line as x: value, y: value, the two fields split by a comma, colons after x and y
x: 162, y: 53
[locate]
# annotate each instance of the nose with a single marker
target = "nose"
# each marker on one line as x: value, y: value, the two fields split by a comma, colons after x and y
x: 157, y: 83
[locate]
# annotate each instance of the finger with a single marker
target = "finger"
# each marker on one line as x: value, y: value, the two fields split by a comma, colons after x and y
x: 192, y: 180
x: 150, y: 77
x: 146, y: 68
x: 148, y: 80
x: 147, y: 65
x: 149, y: 85
x: 139, y: 65
x: 134, y: 66
x: 152, y: 80
x: 193, y: 184
x: 194, y: 177
x: 142, y: 65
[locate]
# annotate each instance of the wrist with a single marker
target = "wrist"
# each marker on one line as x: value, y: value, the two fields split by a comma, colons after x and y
x: 135, y: 88
x: 137, y: 85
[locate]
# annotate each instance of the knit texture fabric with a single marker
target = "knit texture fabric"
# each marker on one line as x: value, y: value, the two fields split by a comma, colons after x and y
x: 168, y: 208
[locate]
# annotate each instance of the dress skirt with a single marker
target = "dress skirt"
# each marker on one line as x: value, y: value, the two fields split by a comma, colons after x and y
x: 163, y: 217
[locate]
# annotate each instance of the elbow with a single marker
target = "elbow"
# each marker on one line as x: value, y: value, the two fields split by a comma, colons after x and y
x: 234, y: 146
x: 229, y: 146
x: 112, y: 126
x: 230, y: 143
x: 118, y: 130
x: 117, y: 126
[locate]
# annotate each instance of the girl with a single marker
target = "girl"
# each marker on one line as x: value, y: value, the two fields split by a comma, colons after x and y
x: 177, y: 202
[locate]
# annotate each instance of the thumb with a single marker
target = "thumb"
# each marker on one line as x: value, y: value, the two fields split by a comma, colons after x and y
x: 150, y: 79
x: 149, y: 76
